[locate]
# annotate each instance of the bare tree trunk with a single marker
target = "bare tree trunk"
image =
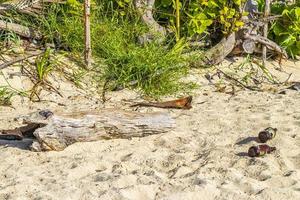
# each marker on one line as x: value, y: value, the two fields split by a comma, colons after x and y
x: 265, y: 32
x: 87, y: 33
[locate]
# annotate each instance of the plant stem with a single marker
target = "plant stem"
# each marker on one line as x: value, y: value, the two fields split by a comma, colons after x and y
x: 177, y: 20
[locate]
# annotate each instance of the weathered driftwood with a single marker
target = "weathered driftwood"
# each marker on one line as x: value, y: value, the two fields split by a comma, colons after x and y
x: 144, y: 9
x: 268, y: 43
x: 216, y: 54
x: 61, y: 130
x: 20, y: 30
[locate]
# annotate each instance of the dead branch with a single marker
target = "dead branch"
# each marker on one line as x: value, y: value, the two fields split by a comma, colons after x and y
x: 265, y: 41
x: 20, y: 30
x: 182, y: 103
x: 265, y: 30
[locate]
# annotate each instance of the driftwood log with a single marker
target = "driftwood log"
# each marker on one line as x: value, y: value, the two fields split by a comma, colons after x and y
x: 57, y: 131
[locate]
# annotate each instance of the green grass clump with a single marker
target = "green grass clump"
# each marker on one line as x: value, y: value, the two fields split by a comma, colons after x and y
x: 154, y: 69
x: 43, y: 66
x: 5, y: 96
x: 62, y: 25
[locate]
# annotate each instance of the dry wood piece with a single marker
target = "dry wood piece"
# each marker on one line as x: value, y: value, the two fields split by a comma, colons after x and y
x: 218, y: 53
x: 265, y: 31
x: 268, y: 43
x: 19, y: 133
x: 295, y: 86
x: 61, y: 130
x: 183, y: 103
x: 20, y: 30
x: 87, y: 33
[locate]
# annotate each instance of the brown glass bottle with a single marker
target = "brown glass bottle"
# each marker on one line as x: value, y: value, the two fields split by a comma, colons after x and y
x: 267, y: 134
x: 260, y: 150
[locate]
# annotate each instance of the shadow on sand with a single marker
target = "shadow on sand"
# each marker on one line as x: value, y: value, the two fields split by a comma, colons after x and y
x: 21, y: 144
x: 247, y: 140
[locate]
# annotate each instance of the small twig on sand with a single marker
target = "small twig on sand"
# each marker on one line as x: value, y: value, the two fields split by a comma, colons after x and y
x: 286, y: 81
x: 19, y: 59
x: 104, y: 91
x: 237, y: 81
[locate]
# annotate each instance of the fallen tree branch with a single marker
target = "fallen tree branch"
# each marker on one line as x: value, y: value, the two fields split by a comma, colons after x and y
x: 20, y: 30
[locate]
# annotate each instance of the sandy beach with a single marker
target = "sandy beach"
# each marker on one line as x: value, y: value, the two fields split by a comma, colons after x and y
x: 204, y: 157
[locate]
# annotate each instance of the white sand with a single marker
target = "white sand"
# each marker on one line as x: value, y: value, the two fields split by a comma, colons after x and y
x: 203, y: 158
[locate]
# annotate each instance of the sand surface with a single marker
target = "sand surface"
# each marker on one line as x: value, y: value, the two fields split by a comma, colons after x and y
x: 202, y: 158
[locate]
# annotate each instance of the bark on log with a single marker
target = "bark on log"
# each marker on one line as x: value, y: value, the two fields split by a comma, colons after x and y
x: 62, y: 130
x: 20, y: 30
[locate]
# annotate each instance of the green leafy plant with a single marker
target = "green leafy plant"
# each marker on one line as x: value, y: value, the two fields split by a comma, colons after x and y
x: 286, y: 30
x: 198, y: 17
x: 63, y: 26
x: 223, y: 14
